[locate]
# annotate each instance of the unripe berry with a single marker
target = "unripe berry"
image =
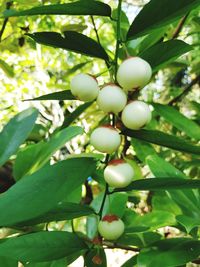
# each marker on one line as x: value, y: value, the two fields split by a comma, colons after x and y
x: 136, y: 115
x: 105, y: 139
x: 134, y: 72
x: 111, y: 98
x: 111, y: 227
x: 84, y: 87
x: 118, y: 173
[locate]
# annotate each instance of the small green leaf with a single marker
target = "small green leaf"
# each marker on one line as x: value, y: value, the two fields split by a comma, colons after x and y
x: 163, y: 139
x: 62, y: 95
x: 42, y: 246
x: 181, y: 122
x: 40, y: 192
x: 142, y: 148
x: 188, y: 222
x: 33, y: 157
x: 16, y: 132
x: 131, y: 262
x: 7, y: 68
x: 162, y: 54
x: 157, y: 14
x: 72, y: 41
x: 170, y: 253
x: 161, y: 183
x: 88, y: 7
x: 63, y: 211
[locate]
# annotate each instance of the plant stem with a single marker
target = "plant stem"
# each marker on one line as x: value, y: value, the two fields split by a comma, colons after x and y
x: 116, y: 245
x: 180, y: 26
x: 185, y: 91
x: 8, y: 5
x: 118, y: 41
x: 103, y: 202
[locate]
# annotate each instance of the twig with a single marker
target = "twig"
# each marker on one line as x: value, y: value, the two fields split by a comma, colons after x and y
x: 120, y: 246
x: 8, y: 5
x: 185, y: 91
x: 180, y: 26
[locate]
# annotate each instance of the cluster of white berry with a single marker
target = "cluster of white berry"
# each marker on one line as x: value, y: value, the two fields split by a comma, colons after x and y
x: 133, y: 73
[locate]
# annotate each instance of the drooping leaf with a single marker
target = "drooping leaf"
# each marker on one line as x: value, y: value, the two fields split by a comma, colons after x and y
x: 177, y: 119
x: 170, y: 253
x: 88, y: 7
x: 42, y: 246
x: 16, y: 132
x: 157, y: 14
x: 62, y: 95
x: 63, y: 211
x: 162, y: 54
x: 161, y: 183
x: 33, y: 157
x: 72, y: 41
x: 40, y: 192
x: 163, y: 139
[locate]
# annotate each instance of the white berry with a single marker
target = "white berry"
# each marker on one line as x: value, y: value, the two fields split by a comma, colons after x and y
x: 136, y: 115
x: 84, y: 87
x: 105, y: 139
x: 111, y: 227
x: 134, y: 72
x: 111, y: 98
x: 118, y: 173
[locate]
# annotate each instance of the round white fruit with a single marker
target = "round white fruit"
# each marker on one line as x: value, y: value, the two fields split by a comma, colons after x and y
x: 134, y: 72
x: 111, y: 98
x: 118, y: 173
x: 105, y: 139
x: 136, y: 115
x: 111, y: 227
x: 84, y: 87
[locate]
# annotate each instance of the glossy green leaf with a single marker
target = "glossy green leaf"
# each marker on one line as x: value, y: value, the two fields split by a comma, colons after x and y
x: 142, y: 149
x: 186, y: 199
x: 8, y: 262
x: 181, y: 122
x: 33, y: 157
x: 131, y: 262
x: 188, y: 222
x: 57, y: 263
x: 42, y: 246
x: 88, y: 7
x: 62, y: 95
x: 7, y: 68
x: 63, y: 211
x: 169, y: 253
x: 157, y: 14
x: 72, y: 41
x: 40, y: 192
x: 163, y: 139
x: 95, y: 258
x: 139, y: 239
x: 16, y: 132
x: 162, y: 54
x: 161, y: 183
x: 75, y: 114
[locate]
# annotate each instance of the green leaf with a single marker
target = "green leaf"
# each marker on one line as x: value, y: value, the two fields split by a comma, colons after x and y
x: 58, y: 263
x: 157, y: 14
x: 131, y: 262
x: 62, y: 95
x: 16, y: 132
x: 163, y: 139
x: 181, y: 122
x: 169, y: 253
x: 40, y: 192
x: 88, y: 7
x: 161, y: 183
x: 89, y: 258
x: 188, y: 222
x: 7, y: 68
x: 33, y: 157
x: 161, y: 54
x: 7, y: 262
x: 72, y: 41
x: 142, y: 149
x: 42, y: 246
x: 63, y: 211
x: 75, y: 114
